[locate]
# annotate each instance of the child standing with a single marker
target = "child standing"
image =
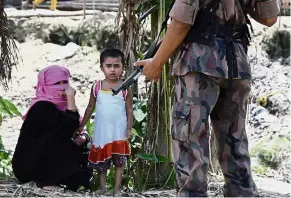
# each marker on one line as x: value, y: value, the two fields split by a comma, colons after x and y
x: 113, y: 121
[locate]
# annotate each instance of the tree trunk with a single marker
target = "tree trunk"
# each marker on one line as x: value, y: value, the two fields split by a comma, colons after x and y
x: 129, y: 32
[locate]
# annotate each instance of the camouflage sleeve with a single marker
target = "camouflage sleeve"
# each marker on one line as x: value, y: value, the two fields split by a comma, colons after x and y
x: 185, y: 11
x: 267, y: 8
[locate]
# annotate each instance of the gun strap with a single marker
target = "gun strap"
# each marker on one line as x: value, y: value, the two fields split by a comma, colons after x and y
x: 154, y: 46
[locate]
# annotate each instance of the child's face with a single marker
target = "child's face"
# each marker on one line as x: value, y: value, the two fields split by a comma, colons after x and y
x: 112, y: 68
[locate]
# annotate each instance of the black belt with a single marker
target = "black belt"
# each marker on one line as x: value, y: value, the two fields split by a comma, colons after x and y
x: 229, y: 35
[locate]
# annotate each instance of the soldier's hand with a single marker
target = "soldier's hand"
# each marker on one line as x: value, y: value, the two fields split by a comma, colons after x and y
x: 151, y: 69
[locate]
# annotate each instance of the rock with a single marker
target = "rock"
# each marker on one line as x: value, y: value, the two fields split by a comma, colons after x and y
x: 287, y: 61
x: 64, y: 52
x: 272, y: 185
x: 278, y: 104
x: 16, y: 30
x: 260, y: 117
x: 100, y: 34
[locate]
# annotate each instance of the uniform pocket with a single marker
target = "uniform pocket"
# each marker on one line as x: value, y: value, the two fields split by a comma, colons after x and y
x: 181, y: 122
x: 268, y: 8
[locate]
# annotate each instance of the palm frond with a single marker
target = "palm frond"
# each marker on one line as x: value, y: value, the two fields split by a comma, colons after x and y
x: 9, y: 52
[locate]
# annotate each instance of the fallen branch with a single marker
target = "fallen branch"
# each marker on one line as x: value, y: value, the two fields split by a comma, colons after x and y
x: 16, y: 191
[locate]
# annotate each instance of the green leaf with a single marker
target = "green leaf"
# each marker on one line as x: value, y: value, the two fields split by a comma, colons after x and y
x: 149, y: 157
x: 152, y: 157
x: 139, y: 115
x: 90, y: 128
x: 12, y: 107
x: 3, y: 163
x: 134, y: 132
x: 143, y: 106
x: 140, y: 55
x: 3, y: 155
x: 162, y: 158
x: 4, y: 108
x: 1, y: 144
x: 136, y: 144
x: 132, y: 140
x: 1, y: 119
x: 135, y: 101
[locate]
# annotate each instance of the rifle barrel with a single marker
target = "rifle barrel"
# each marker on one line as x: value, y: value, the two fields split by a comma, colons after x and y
x: 131, y: 79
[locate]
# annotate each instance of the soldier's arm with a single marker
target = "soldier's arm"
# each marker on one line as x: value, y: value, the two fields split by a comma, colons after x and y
x: 265, y: 11
x: 183, y: 15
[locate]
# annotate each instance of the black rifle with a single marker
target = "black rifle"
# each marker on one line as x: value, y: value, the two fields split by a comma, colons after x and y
x: 149, y: 54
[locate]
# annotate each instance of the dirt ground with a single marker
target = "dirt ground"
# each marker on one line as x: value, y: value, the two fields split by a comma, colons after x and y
x: 11, y: 189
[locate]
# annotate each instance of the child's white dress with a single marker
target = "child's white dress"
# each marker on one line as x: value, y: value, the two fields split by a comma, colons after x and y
x: 109, y: 128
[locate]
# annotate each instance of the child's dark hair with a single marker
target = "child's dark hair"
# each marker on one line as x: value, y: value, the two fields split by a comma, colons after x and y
x: 114, y: 53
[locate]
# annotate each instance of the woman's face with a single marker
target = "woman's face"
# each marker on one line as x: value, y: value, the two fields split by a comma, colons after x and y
x: 58, y: 88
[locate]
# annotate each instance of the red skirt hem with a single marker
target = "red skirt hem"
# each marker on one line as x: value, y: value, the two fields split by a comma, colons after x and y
x: 99, y: 154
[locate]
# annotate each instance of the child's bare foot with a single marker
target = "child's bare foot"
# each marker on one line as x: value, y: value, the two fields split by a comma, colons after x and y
x: 117, y: 193
x: 101, y: 191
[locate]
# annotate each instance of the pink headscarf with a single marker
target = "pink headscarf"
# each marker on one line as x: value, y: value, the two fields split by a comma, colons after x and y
x: 47, y: 90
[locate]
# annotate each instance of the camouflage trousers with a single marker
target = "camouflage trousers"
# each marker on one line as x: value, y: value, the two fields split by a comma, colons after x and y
x: 196, y: 97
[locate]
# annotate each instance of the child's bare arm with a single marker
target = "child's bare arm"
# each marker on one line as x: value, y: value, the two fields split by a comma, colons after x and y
x: 129, y: 111
x: 89, y: 109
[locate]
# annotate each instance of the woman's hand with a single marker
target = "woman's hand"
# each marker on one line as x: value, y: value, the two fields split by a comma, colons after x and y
x: 80, y: 140
x: 80, y: 129
x: 70, y: 94
x: 70, y: 91
x: 151, y: 68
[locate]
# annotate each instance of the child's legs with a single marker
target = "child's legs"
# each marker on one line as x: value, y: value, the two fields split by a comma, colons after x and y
x: 118, y: 177
x: 102, y: 176
x: 119, y: 162
x: 102, y: 168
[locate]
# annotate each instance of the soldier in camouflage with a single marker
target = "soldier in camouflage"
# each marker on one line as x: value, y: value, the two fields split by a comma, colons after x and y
x: 212, y: 79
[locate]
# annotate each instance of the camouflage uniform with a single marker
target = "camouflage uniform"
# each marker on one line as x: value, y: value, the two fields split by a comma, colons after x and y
x: 206, y: 85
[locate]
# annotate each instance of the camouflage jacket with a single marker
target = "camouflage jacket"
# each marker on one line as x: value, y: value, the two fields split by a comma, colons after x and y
x: 193, y: 57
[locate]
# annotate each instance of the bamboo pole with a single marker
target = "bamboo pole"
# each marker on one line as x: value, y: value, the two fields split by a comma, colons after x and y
x: 84, y: 9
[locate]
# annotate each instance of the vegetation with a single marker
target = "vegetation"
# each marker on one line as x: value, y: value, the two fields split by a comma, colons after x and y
x: 7, y: 109
x: 9, y: 58
x: 8, y: 50
x: 100, y: 36
x: 270, y: 154
x: 278, y: 45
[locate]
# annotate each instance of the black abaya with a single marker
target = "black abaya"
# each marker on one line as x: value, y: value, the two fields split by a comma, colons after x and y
x: 45, y: 152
